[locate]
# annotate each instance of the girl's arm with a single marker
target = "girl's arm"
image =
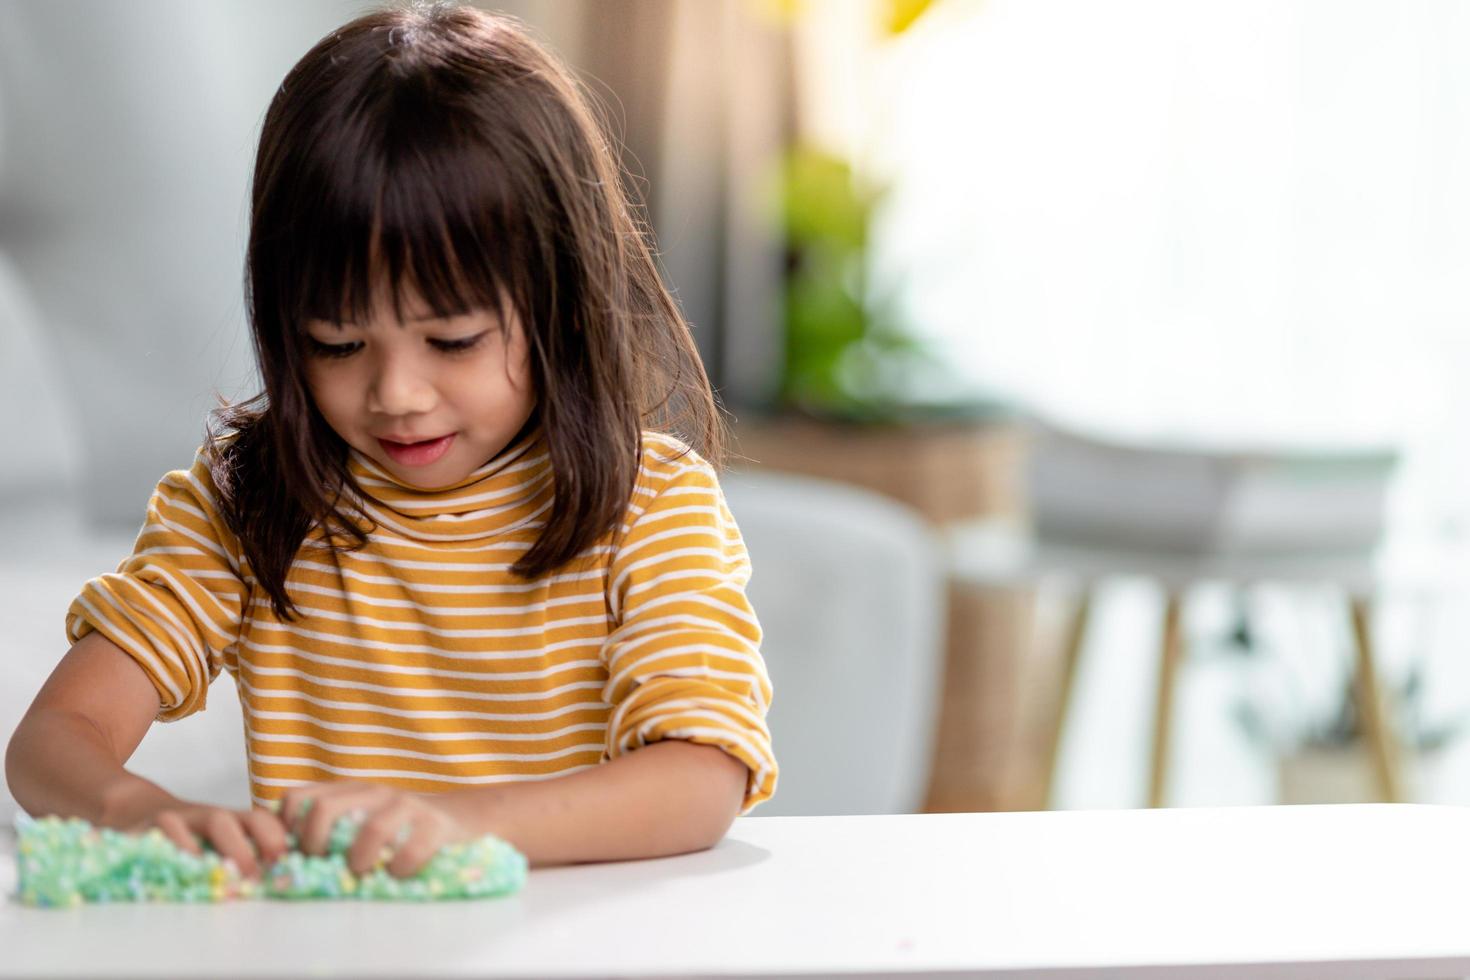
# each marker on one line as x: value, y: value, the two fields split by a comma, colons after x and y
x: 66, y: 756
x: 669, y: 797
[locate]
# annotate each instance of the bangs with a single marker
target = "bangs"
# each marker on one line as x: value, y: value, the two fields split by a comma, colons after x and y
x: 391, y: 198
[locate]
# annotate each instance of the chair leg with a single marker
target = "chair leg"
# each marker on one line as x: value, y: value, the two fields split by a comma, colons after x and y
x: 1170, y: 656
x: 1372, y: 708
x: 1071, y: 653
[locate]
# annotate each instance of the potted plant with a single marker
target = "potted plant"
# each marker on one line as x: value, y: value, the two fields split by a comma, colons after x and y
x: 1323, y: 756
x: 848, y: 354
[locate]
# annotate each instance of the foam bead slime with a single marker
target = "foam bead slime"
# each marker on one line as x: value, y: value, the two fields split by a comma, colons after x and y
x: 479, y: 868
x: 67, y: 861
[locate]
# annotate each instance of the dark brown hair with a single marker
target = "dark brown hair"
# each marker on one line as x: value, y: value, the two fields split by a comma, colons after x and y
x: 442, y: 149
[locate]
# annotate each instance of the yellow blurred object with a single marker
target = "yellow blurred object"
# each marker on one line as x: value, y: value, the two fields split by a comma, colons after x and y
x: 781, y: 13
x: 899, y: 15
x: 896, y: 16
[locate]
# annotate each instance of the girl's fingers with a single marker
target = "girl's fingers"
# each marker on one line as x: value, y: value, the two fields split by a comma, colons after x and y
x: 190, y: 828
x: 378, y: 832
x: 293, y: 800
x: 268, y: 833
x: 177, y: 830
x: 298, y: 801
x: 286, y: 810
x: 223, y: 829
x: 317, y: 829
x: 318, y: 798
x: 414, y: 852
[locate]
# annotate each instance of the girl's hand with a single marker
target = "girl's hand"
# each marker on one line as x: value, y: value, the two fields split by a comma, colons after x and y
x: 412, y: 825
x: 248, y: 837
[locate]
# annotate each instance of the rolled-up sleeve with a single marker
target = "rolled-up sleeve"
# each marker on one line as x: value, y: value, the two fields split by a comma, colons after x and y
x: 683, y: 657
x: 176, y: 603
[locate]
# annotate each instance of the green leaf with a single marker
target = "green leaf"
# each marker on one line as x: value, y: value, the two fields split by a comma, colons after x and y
x: 823, y: 202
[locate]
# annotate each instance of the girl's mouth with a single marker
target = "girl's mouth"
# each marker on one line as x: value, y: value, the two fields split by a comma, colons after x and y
x: 418, y: 453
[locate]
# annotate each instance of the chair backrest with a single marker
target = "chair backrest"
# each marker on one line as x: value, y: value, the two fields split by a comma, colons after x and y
x: 42, y: 448
x: 850, y: 591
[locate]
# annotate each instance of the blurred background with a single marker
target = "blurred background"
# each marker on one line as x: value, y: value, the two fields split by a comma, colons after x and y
x: 1094, y: 369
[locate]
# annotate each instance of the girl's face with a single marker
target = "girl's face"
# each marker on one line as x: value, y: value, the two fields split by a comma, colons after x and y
x: 382, y: 383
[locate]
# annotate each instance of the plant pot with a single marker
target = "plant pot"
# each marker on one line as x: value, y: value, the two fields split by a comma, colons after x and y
x: 1346, y: 774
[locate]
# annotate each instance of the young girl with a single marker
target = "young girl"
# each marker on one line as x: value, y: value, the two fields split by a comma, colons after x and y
x: 464, y: 581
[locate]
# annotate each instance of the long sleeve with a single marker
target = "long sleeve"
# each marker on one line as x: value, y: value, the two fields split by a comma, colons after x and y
x: 683, y: 658
x: 176, y: 603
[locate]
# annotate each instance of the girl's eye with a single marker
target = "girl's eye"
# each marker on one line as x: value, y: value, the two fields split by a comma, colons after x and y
x: 330, y: 350
x: 460, y: 346
x: 447, y: 346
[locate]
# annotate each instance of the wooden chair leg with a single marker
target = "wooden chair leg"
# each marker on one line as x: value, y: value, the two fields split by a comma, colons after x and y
x: 1071, y: 653
x: 1372, y: 708
x: 1170, y: 655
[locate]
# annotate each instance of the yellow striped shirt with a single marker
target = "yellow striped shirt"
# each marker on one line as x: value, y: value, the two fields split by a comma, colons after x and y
x: 422, y: 662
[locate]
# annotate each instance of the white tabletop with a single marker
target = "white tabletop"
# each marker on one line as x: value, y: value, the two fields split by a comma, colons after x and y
x: 1308, y: 891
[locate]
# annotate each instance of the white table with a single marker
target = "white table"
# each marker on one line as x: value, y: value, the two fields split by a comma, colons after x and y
x: 1316, y: 891
x: 997, y: 553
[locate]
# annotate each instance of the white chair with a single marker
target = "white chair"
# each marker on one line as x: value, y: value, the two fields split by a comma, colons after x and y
x: 850, y: 588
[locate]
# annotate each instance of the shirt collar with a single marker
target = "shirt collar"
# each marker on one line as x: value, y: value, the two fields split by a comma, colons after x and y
x: 505, y: 492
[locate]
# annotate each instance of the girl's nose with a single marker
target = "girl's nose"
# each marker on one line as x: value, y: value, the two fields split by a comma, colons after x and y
x: 399, y: 388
